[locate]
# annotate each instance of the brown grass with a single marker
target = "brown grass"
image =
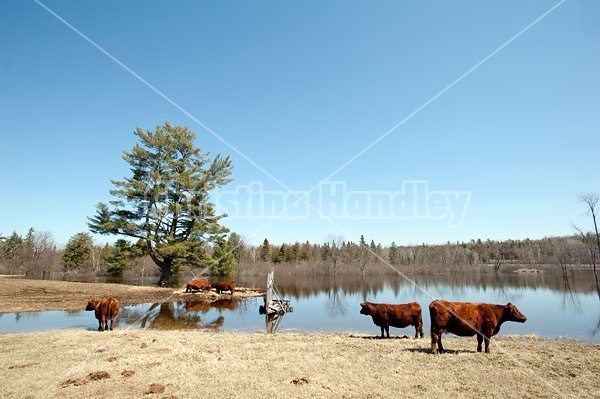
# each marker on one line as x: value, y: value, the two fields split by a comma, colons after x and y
x: 192, y: 364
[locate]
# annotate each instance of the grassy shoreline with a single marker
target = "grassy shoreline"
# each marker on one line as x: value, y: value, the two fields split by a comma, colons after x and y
x: 191, y: 364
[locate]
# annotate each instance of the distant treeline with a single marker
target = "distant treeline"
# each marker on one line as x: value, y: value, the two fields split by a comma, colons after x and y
x: 37, y: 256
x: 339, y: 256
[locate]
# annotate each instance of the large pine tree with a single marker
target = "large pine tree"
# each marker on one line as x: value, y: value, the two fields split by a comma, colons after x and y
x: 165, y: 202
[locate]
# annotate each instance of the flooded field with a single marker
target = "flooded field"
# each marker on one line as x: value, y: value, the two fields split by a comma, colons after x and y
x: 554, y: 308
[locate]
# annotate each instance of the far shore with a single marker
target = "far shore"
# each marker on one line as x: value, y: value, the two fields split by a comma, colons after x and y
x: 26, y: 295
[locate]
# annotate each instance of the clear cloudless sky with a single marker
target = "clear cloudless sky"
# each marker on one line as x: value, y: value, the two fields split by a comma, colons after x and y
x: 406, y: 121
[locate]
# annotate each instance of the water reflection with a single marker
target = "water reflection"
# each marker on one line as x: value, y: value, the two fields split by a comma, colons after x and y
x: 336, y: 305
x: 554, y: 306
x: 178, y: 315
x: 582, y: 281
x: 273, y: 320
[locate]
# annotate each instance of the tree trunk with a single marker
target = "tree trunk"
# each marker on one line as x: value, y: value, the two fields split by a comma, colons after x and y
x: 165, y: 273
x: 164, y: 265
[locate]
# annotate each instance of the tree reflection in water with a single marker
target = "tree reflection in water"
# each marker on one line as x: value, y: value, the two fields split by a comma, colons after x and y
x: 179, y: 315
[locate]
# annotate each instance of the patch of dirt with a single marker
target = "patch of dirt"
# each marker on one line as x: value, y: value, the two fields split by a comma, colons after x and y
x: 300, y: 381
x: 21, y: 366
x: 155, y: 388
x: 98, y: 375
x: 24, y: 295
x: 75, y: 382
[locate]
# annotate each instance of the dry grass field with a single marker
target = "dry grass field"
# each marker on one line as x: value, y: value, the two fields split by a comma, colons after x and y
x: 195, y: 364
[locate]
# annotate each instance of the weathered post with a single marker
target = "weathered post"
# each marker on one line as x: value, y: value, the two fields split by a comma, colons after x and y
x: 270, y: 283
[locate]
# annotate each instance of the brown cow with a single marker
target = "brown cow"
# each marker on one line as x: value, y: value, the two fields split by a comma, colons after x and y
x: 197, y: 284
x: 385, y: 315
x: 221, y: 286
x: 106, y: 309
x: 466, y: 319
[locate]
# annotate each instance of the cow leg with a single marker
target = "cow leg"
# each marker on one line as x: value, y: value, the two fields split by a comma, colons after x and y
x: 479, y: 341
x: 487, y: 344
x: 99, y: 324
x: 112, y: 323
x: 387, y: 330
x: 382, y: 331
x: 436, y: 342
x: 419, y: 329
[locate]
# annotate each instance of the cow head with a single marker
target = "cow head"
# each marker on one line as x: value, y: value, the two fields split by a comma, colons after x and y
x: 365, y: 309
x: 92, y: 304
x: 511, y: 313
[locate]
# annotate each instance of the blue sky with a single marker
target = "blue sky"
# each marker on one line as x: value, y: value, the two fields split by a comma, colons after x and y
x: 344, y: 102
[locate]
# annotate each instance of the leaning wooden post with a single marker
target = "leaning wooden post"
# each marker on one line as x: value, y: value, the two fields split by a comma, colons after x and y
x: 269, y: 299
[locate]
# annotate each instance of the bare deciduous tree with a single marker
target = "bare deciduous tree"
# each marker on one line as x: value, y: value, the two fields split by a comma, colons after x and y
x: 335, y: 246
x: 363, y: 254
x: 592, y: 241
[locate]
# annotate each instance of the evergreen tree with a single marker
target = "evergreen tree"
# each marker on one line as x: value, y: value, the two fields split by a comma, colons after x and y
x: 325, y: 252
x: 393, y: 254
x: 237, y: 246
x: 29, y: 244
x: 77, y: 251
x: 119, y: 258
x: 165, y: 202
x: 265, y: 251
x: 373, y: 246
x: 223, y: 259
x: 306, y: 252
x: 13, y: 246
x: 281, y: 254
x: 293, y: 253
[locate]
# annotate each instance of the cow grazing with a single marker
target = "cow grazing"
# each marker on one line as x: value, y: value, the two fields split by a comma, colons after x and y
x: 467, y: 319
x: 403, y: 315
x: 197, y: 284
x: 106, y: 309
x: 221, y: 286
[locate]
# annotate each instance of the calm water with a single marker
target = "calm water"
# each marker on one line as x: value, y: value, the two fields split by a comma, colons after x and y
x: 553, y: 308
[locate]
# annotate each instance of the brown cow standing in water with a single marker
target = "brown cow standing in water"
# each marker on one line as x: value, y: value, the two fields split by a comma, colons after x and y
x: 106, y: 309
x: 466, y: 319
x: 403, y: 315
